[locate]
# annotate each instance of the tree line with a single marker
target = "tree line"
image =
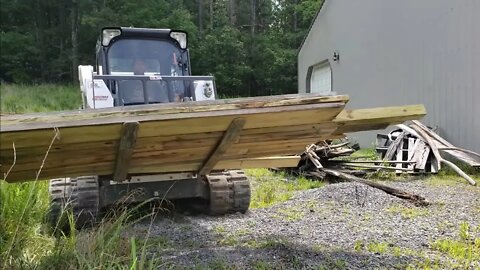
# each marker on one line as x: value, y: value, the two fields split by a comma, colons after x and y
x: 250, y: 46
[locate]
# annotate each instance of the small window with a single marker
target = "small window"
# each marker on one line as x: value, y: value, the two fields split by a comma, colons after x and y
x: 320, y: 78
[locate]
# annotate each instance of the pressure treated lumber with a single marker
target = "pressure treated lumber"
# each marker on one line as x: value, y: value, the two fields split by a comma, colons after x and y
x: 231, y: 134
x: 125, y: 150
x: 177, y: 137
x: 166, y: 111
x: 376, y: 118
x: 261, y: 118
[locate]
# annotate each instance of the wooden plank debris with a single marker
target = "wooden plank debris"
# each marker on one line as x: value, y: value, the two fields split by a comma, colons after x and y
x: 324, y: 154
x: 414, y: 198
x: 466, y: 156
x: 439, y: 158
x: 425, y: 149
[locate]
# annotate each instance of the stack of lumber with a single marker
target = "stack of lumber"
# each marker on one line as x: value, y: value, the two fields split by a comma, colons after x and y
x: 180, y: 137
x: 416, y: 147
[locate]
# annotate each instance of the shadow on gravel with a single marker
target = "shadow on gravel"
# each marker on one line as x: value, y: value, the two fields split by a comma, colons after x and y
x: 203, y: 242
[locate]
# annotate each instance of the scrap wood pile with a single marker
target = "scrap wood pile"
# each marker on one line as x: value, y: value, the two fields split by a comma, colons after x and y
x: 412, y: 148
x: 327, y: 159
x: 416, y: 148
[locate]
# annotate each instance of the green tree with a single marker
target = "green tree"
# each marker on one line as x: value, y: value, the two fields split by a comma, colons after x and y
x: 249, y: 46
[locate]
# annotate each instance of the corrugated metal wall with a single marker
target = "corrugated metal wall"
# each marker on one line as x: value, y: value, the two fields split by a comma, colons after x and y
x: 404, y: 52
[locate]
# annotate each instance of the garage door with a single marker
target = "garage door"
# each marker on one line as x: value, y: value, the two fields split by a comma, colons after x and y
x: 321, y: 79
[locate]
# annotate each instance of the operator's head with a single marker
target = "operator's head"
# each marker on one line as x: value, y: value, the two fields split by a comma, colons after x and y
x: 139, y: 67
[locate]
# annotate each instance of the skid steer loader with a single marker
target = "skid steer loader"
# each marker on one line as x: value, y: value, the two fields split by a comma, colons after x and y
x: 137, y: 66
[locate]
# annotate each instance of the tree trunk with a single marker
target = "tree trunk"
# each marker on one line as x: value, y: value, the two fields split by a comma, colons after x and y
x: 61, y: 17
x: 211, y: 14
x: 40, y: 35
x: 253, y: 16
x: 295, y: 16
x: 233, y: 12
x: 200, y: 16
x: 75, y: 22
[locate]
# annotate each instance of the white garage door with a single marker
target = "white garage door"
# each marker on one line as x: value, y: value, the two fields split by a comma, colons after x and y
x: 321, y: 79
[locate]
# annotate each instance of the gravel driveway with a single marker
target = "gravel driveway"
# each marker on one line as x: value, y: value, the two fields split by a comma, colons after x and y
x: 338, y: 226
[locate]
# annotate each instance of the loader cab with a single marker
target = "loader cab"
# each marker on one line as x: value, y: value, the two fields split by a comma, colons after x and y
x: 145, y: 65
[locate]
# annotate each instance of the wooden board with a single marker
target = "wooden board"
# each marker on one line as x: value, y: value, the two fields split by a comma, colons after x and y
x: 170, y: 137
x: 377, y: 118
x: 180, y: 137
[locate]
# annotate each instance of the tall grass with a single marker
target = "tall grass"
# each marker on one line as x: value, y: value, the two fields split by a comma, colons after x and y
x: 26, y: 241
x: 17, y: 98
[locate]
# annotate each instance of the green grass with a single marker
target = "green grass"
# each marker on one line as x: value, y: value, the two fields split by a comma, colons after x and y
x: 26, y: 242
x: 290, y: 214
x: 465, y: 249
x: 407, y: 212
x: 366, y: 153
x: 39, y: 98
x: 22, y: 210
x: 448, y: 177
x: 269, y: 188
x: 461, y: 252
x: 377, y: 247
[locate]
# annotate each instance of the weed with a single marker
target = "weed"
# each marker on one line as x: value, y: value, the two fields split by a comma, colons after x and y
x: 261, y: 265
x: 358, y: 245
x: 230, y: 238
x: 443, y: 180
x: 220, y: 264
x: 271, y: 243
x: 318, y: 248
x: 426, y: 263
x: 290, y: 214
x: 377, y: 247
x: 296, y: 263
x: 160, y: 242
x: 220, y: 229
x: 407, y: 212
x: 251, y: 223
x: 365, y: 153
x: 269, y: 188
x: 340, y: 264
x: 464, y: 250
x: 190, y: 243
x: 448, y: 177
x: 367, y: 217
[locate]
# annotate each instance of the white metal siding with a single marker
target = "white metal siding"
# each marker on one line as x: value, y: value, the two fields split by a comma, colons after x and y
x: 404, y: 52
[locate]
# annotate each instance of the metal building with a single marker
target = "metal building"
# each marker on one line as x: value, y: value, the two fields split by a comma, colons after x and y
x: 385, y: 52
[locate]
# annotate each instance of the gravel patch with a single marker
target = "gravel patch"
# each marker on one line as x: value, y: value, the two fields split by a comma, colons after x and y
x: 338, y: 226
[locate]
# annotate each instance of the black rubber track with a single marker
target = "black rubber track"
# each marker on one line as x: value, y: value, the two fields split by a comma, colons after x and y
x: 79, y: 195
x: 229, y: 192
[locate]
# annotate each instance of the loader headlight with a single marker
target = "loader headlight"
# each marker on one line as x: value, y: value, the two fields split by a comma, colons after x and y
x: 108, y: 34
x: 181, y: 37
